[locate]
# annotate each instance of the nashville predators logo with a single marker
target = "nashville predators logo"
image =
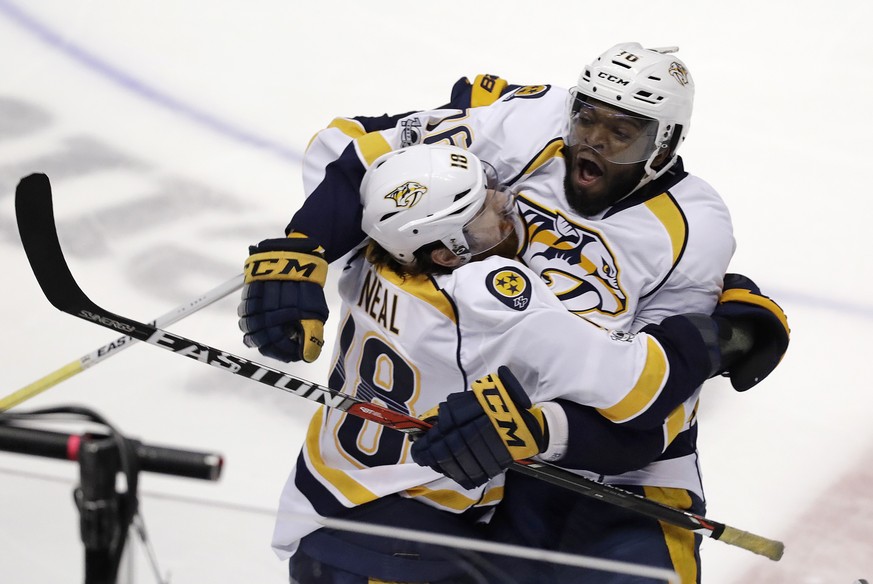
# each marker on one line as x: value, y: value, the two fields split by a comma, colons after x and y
x: 510, y: 287
x: 573, y: 260
x: 679, y: 73
x: 407, y: 194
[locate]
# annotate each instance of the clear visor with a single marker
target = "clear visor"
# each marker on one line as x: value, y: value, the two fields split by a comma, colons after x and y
x: 618, y: 136
x: 496, y: 221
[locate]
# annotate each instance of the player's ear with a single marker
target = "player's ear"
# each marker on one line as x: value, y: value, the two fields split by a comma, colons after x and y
x: 662, y: 157
x: 444, y: 257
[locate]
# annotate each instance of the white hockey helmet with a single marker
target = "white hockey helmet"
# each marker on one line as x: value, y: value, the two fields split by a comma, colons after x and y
x: 649, y: 82
x: 423, y: 194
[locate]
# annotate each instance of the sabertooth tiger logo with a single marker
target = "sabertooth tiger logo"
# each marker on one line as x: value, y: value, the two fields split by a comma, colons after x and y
x: 679, y: 73
x: 407, y: 194
x: 573, y: 260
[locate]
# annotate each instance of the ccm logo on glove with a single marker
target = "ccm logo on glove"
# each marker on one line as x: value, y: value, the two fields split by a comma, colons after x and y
x: 285, y: 265
x: 504, y: 415
x: 500, y: 396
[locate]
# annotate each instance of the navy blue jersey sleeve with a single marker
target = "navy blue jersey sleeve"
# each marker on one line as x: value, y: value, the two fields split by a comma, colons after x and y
x: 595, y: 444
x: 383, y: 122
x: 331, y: 215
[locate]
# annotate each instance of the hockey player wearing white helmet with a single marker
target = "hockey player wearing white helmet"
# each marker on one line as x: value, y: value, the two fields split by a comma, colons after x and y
x: 437, y: 305
x: 456, y: 215
x: 630, y: 112
x: 613, y: 223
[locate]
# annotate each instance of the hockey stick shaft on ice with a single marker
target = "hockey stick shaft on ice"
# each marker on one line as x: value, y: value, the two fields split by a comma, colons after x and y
x: 75, y: 367
x: 33, y: 205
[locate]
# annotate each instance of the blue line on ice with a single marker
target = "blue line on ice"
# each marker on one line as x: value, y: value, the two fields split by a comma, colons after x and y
x: 139, y: 87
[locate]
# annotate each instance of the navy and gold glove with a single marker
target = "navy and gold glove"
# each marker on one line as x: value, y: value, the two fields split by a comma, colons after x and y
x: 754, y: 319
x: 283, y: 309
x: 478, y: 433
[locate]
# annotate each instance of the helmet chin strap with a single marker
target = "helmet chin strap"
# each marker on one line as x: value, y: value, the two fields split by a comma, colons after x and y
x: 457, y: 244
x: 649, y: 173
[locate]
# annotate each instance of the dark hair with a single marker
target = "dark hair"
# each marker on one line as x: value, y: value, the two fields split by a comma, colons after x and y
x: 379, y: 256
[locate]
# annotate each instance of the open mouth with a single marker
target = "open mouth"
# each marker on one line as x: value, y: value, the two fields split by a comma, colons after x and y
x: 587, y: 171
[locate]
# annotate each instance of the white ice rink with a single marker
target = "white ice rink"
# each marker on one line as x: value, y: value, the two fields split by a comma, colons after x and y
x: 173, y: 132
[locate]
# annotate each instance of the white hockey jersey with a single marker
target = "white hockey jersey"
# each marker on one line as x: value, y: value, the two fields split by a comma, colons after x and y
x: 409, y: 342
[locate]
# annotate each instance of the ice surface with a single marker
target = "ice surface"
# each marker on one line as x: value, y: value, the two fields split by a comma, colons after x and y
x: 172, y: 132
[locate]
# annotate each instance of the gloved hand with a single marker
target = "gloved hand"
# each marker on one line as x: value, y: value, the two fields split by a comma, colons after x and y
x: 283, y: 309
x: 478, y: 433
x: 747, y: 317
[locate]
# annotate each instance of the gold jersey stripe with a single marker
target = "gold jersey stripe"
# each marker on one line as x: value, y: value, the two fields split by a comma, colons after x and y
x: 674, y: 424
x: 423, y: 288
x: 371, y: 146
x: 664, y: 208
x: 493, y: 495
x: 680, y: 542
x: 351, y: 128
x: 350, y: 488
x: 453, y: 499
x: 739, y: 295
x: 554, y: 149
x: 646, y: 389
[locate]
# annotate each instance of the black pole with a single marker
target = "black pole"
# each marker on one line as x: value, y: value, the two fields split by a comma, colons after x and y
x: 102, y: 524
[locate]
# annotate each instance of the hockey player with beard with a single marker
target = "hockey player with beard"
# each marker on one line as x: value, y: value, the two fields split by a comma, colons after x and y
x: 622, y: 234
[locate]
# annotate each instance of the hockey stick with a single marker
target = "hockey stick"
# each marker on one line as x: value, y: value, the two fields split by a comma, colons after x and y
x: 109, y: 349
x: 33, y: 207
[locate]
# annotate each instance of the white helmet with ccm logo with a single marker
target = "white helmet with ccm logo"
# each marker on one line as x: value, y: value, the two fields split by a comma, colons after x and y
x: 649, y: 82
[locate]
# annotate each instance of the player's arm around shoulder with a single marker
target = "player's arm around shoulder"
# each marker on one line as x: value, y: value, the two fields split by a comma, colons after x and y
x: 508, y: 316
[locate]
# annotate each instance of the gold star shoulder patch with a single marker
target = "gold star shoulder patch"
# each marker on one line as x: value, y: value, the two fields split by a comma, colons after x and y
x: 509, y: 286
x: 529, y: 92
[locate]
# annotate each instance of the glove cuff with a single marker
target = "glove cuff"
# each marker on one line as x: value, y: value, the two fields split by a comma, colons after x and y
x: 747, y: 297
x: 557, y: 431
x: 285, y: 265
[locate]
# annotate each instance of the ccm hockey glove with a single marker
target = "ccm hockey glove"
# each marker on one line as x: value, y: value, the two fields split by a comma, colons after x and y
x: 756, y: 324
x: 478, y: 433
x: 283, y: 309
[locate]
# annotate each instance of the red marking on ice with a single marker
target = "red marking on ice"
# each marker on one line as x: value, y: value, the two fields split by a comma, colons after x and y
x: 832, y: 542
